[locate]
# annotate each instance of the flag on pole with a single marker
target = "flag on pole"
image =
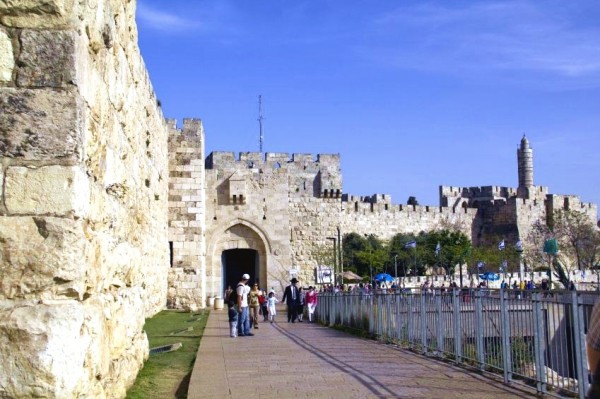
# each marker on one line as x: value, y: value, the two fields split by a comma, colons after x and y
x: 480, y: 265
x: 551, y: 246
x: 504, y: 265
x: 438, y: 248
x: 519, y: 245
x: 410, y: 244
x: 501, y: 245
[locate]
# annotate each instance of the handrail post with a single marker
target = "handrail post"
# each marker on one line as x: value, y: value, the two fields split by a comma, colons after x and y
x: 456, y: 322
x: 580, y: 350
x: 478, y: 329
x: 439, y: 324
x: 539, y: 342
x: 423, y: 323
x: 409, y: 320
x: 506, y: 333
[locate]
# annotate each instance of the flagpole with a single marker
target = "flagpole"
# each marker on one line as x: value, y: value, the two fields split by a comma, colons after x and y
x: 415, y: 258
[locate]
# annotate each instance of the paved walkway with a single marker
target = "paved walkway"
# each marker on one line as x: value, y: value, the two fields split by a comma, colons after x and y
x: 302, y: 360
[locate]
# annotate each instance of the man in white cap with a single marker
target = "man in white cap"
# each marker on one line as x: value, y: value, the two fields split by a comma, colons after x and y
x: 242, y: 291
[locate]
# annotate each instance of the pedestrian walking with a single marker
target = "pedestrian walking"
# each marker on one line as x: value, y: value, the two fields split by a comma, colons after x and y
x: 301, y: 298
x: 262, y: 299
x: 254, y: 305
x: 233, y: 319
x: 291, y: 297
x: 242, y: 291
x: 311, y: 302
x: 271, y: 302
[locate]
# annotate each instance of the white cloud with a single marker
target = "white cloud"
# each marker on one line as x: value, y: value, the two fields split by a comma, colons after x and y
x: 164, y: 21
x: 503, y: 36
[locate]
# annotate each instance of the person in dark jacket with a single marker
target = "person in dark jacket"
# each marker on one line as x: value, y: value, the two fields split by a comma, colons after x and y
x: 291, y: 296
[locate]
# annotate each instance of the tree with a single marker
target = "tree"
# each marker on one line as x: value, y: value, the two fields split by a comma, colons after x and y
x: 533, y: 251
x: 404, y: 257
x: 578, y: 240
x: 578, y: 236
x: 455, y: 247
x: 412, y: 201
x: 492, y: 259
x: 351, y: 244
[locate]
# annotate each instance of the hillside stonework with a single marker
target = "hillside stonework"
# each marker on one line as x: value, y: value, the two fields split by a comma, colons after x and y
x: 83, y: 210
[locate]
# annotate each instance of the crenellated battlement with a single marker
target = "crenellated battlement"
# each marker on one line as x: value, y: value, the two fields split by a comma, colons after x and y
x: 222, y: 160
x: 191, y: 127
x: 380, y: 203
x: 478, y: 192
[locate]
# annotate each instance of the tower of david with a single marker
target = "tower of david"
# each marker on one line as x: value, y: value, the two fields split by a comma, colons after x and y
x: 110, y: 213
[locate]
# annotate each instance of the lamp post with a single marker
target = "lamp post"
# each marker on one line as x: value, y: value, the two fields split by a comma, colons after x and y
x: 370, y: 266
x: 334, y: 260
x: 396, y: 266
x: 521, y: 264
x: 340, y: 258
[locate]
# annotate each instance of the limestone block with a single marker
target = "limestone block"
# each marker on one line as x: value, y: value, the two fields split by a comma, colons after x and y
x: 47, y: 59
x: 50, y: 190
x: 41, y: 257
x: 37, y: 13
x: 41, y: 350
x: 40, y: 125
x: 7, y: 61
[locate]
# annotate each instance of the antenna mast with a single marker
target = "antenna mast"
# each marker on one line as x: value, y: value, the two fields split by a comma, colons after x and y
x: 260, y: 123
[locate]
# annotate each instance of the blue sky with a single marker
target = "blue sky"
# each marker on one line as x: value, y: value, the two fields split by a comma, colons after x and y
x: 411, y: 94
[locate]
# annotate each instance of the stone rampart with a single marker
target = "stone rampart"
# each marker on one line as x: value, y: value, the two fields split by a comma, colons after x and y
x: 83, y: 207
x: 187, y: 212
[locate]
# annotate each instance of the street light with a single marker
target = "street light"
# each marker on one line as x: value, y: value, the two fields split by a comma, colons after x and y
x: 334, y: 260
x: 340, y: 252
x: 396, y: 266
x: 370, y: 266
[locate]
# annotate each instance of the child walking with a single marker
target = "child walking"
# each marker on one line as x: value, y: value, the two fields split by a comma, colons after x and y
x: 271, y: 301
x: 233, y: 319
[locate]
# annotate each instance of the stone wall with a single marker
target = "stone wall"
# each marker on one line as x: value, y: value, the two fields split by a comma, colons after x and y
x: 83, y: 207
x: 288, y: 209
x: 186, y: 216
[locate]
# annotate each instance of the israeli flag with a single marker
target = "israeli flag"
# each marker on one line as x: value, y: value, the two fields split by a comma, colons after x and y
x: 519, y: 245
x: 504, y: 265
x: 411, y: 244
x: 501, y: 246
x: 438, y: 248
x: 480, y: 265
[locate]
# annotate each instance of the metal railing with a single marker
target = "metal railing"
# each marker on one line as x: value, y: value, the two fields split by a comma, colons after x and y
x: 534, y: 338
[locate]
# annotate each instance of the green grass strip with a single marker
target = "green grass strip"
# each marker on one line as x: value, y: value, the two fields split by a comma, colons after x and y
x: 167, y: 375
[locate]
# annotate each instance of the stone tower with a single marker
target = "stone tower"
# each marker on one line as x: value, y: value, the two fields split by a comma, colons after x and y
x: 525, y: 164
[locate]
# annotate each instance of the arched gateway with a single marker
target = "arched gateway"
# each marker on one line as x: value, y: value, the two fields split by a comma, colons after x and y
x: 240, y: 248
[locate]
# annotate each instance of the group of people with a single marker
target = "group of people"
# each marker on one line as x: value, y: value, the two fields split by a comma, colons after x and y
x: 297, y: 298
x: 245, y: 303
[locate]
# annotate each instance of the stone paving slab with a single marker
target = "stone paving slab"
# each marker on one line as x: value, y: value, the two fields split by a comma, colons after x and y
x: 302, y: 360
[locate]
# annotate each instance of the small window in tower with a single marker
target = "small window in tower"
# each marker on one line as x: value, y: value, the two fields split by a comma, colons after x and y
x: 171, y: 253
x: 241, y: 199
x: 235, y: 199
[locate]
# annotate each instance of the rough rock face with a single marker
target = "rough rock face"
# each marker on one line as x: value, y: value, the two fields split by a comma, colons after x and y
x: 83, y: 207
